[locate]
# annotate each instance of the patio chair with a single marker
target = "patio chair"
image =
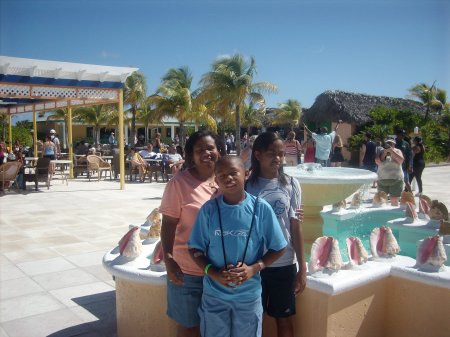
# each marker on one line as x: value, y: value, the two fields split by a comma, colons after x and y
x: 41, y: 174
x: 80, y: 166
x: 8, y: 174
x: 98, y: 164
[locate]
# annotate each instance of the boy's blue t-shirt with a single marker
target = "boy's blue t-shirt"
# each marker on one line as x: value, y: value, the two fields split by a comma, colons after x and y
x: 236, y: 221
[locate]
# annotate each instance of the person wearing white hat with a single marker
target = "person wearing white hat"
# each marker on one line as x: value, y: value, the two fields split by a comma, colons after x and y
x: 112, y: 139
x: 54, y: 138
x: 390, y: 174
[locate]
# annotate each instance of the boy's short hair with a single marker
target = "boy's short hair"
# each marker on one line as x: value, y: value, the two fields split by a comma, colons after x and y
x: 229, y: 159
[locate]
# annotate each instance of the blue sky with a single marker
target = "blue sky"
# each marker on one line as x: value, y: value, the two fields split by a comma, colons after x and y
x: 304, y: 47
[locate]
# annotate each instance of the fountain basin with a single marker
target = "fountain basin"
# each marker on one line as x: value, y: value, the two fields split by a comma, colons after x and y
x: 324, y: 186
x: 383, y: 298
x: 327, y: 185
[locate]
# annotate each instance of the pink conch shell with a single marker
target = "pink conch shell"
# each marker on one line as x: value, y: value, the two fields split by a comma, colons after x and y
x: 438, y: 211
x: 411, y: 211
x: 356, y: 200
x: 130, y: 244
x: 424, y: 206
x: 407, y: 197
x: 383, y: 242
x: 357, y: 254
x: 325, y: 254
x: 431, y: 251
x: 380, y: 198
x: 158, y: 254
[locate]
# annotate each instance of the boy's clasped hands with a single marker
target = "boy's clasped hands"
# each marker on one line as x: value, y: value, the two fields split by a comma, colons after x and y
x: 233, y: 276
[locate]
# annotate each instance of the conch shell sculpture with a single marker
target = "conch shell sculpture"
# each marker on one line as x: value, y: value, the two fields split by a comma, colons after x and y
x: 411, y: 211
x: 325, y: 254
x: 383, y: 242
x: 444, y: 227
x: 356, y: 200
x: 130, y: 244
x: 406, y: 197
x: 424, y: 208
x: 438, y: 211
x: 431, y: 251
x: 339, y: 205
x: 155, y: 220
x: 357, y: 254
x: 380, y: 199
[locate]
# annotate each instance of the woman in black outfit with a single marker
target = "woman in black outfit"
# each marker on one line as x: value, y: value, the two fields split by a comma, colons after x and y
x: 418, y: 162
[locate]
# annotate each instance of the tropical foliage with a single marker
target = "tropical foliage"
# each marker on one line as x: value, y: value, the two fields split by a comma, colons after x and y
x: 433, y: 98
x: 135, y: 94
x: 288, y: 113
x: 229, y: 84
x: 97, y: 116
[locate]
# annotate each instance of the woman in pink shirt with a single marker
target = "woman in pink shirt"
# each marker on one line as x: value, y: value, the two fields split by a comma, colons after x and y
x: 185, y: 193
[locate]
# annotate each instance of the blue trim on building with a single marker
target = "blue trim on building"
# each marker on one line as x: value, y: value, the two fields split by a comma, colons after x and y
x: 59, y: 82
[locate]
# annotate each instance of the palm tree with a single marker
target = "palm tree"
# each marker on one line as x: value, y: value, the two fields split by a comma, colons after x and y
x: 288, y: 113
x: 135, y: 93
x: 97, y: 116
x: 149, y: 114
x: 230, y: 83
x: 175, y: 98
x: 253, y: 115
x: 433, y: 98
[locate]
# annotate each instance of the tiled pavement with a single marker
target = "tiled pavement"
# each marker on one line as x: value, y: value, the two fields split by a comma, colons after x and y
x: 52, y: 282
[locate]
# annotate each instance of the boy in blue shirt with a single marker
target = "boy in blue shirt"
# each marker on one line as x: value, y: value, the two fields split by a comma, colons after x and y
x: 234, y: 237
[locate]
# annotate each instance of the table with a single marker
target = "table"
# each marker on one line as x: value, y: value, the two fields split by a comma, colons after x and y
x: 62, y: 168
x: 107, y: 158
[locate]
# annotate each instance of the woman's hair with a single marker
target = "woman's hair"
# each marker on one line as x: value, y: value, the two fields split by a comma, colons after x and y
x: 261, y: 144
x: 193, y: 139
x: 419, y: 142
x: 291, y: 135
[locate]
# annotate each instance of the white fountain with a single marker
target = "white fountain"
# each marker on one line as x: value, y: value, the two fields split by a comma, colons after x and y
x: 323, y: 186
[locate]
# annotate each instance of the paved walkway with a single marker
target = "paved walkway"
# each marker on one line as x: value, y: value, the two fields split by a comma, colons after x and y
x: 52, y: 282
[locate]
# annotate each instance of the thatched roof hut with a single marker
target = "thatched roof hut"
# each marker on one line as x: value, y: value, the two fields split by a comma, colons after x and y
x: 354, y: 108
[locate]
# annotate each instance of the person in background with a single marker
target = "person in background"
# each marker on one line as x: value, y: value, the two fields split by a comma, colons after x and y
x: 390, y: 174
x: 367, y: 154
x: 147, y: 152
x: 418, y: 165
x: 293, y: 150
x: 157, y: 143
x: 231, y: 300
x: 3, y: 153
x: 112, y: 139
x: 324, y: 142
x: 403, y: 145
x: 246, y: 154
x: 337, y: 158
x: 137, y: 161
x: 310, y: 150
x: 54, y: 138
x: 172, y: 160
x: 183, y: 196
x: 281, y: 282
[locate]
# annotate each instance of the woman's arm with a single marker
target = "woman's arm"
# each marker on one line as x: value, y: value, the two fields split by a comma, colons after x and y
x: 168, y: 229
x: 298, y: 244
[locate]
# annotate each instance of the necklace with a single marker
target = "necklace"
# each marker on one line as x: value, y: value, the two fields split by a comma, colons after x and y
x: 248, y: 236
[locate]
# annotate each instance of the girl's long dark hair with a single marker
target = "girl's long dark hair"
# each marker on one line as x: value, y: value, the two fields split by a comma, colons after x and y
x: 262, y: 144
x: 193, y: 139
